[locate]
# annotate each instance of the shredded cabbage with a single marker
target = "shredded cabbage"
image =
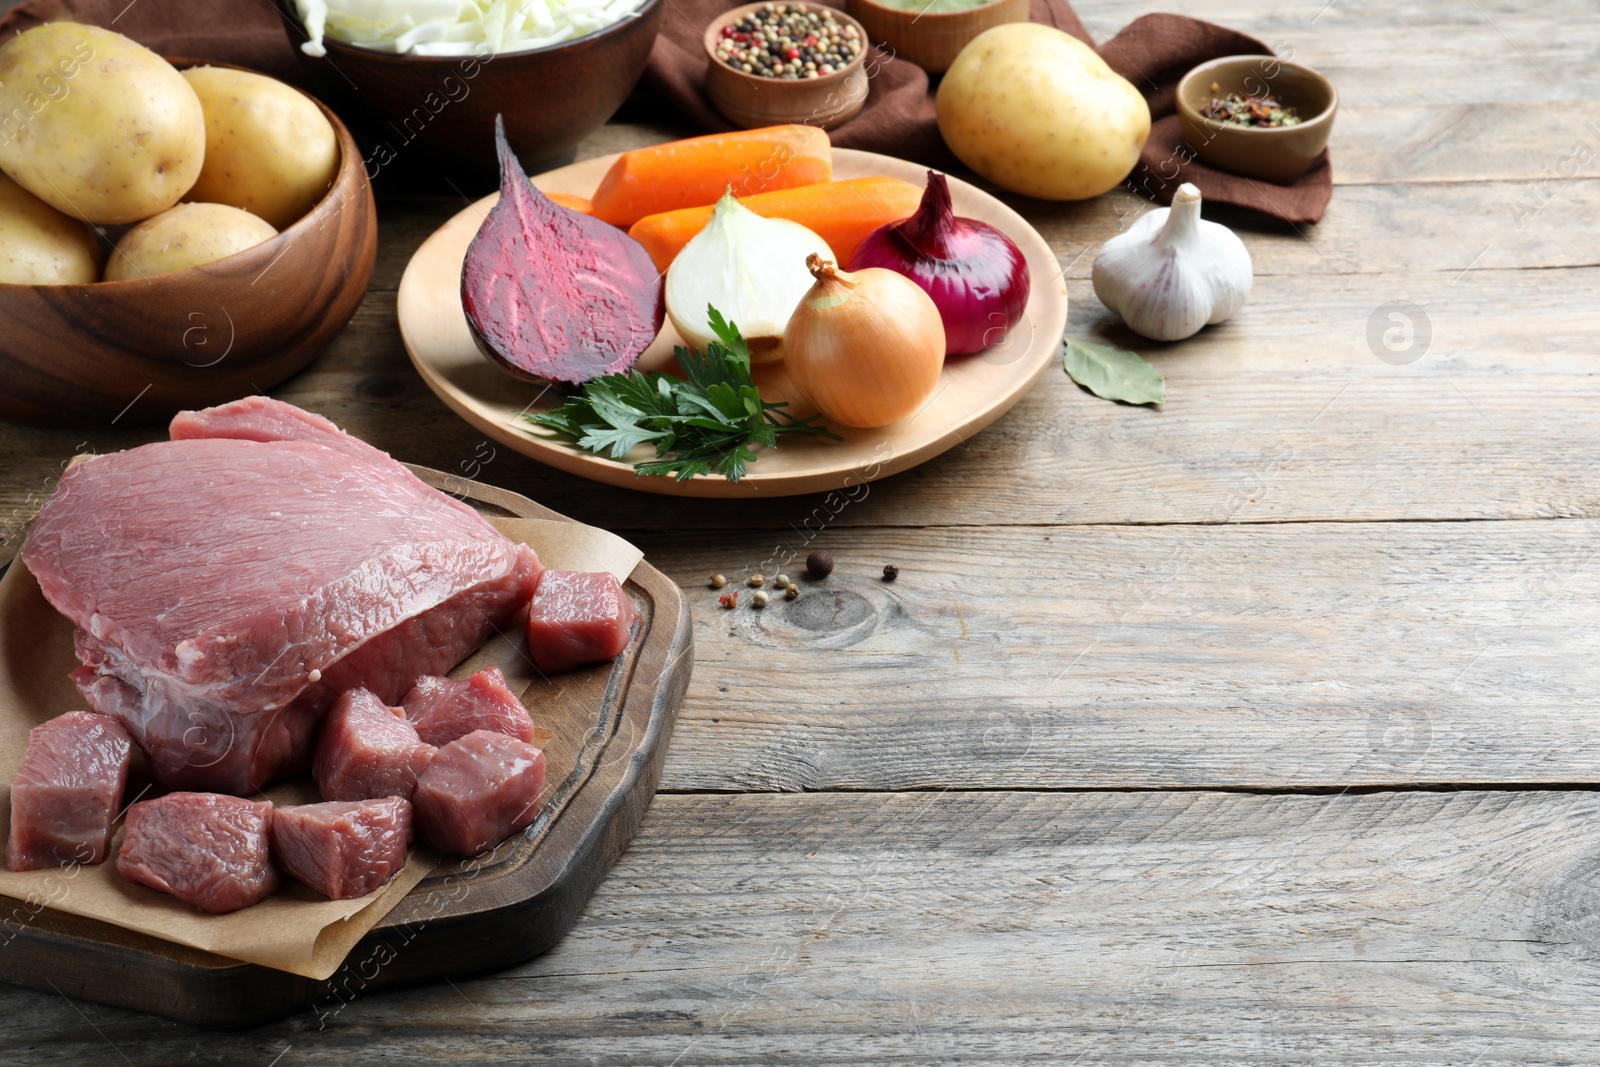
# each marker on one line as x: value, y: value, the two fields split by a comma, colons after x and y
x: 456, y: 27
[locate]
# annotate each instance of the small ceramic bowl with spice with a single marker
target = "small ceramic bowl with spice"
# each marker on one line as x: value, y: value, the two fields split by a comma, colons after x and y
x: 931, y: 33
x: 1258, y: 116
x: 780, y: 62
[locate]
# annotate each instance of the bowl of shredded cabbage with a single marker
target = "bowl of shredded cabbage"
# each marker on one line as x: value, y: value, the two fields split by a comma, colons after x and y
x: 429, y: 76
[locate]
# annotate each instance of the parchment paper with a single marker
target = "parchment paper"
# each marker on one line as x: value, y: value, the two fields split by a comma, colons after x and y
x: 296, y: 930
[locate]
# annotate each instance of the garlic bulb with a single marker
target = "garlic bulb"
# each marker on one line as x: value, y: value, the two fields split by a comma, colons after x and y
x: 1173, y: 273
x: 751, y: 269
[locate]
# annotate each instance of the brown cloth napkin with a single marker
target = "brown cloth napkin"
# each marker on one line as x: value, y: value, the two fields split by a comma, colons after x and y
x: 249, y: 33
x: 898, y: 117
x: 1152, y: 52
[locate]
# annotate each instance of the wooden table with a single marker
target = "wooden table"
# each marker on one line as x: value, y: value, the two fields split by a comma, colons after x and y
x: 1260, y: 728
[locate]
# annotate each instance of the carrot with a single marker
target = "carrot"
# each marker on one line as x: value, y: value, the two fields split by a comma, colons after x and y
x: 576, y: 203
x: 697, y: 171
x: 841, y: 213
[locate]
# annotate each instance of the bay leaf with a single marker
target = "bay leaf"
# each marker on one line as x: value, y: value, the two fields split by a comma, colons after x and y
x: 1113, y: 373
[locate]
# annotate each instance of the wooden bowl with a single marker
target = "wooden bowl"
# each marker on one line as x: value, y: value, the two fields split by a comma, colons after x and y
x: 1276, y: 154
x: 443, y: 107
x: 148, y: 347
x: 751, y: 101
x: 930, y: 39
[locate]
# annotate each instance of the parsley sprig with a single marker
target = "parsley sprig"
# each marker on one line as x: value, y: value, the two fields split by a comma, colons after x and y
x: 706, y: 421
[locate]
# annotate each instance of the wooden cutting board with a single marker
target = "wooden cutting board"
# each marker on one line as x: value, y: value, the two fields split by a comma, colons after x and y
x: 468, y: 916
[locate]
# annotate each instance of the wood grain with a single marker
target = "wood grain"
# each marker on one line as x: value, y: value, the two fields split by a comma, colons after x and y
x: 1010, y: 928
x: 1411, y: 52
x: 1276, y: 656
x: 1492, y: 423
x: 1371, y: 228
x: 1501, y: 140
x: 1236, y: 642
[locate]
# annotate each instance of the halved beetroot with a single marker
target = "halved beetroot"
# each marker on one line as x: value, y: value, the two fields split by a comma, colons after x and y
x: 552, y: 294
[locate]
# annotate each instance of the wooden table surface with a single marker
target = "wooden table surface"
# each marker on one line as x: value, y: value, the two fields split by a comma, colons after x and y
x: 1260, y: 728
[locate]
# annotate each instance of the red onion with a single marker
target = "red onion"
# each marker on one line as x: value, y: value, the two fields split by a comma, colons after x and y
x: 976, y: 276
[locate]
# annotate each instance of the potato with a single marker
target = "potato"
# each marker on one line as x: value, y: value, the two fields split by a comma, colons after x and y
x: 41, y: 246
x: 95, y: 125
x: 269, y: 149
x: 1035, y: 111
x: 185, y: 236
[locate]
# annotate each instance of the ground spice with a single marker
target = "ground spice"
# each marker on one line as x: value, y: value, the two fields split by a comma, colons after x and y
x: 1264, y: 110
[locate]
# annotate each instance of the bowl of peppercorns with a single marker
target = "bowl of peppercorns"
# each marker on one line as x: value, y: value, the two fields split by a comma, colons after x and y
x: 778, y: 62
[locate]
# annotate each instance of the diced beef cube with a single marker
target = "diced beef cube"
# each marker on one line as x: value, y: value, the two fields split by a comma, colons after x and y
x: 578, y: 617
x: 68, y: 792
x: 478, y: 791
x: 343, y: 848
x: 229, y: 584
x: 368, y: 750
x: 211, y: 851
x: 443, y: 709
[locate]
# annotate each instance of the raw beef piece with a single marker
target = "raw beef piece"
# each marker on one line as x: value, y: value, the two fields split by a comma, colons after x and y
x: 368, y: 750
x: 261, y: 418
x: 228, y: 590
x: 343, y: 849
x: 443, y: 709
x: 68, y: 791
x: 578, y: 617
x: 478, y: 791
x: 211, y: 851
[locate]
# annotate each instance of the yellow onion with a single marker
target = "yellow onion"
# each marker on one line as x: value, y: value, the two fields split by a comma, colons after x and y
x: 865, y: 347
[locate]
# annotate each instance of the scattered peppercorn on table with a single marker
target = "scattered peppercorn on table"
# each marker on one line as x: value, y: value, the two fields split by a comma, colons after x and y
x: 1260, y: 727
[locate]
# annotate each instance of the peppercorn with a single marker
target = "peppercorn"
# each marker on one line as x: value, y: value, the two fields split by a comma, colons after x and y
x: 759, y: 600
x: 789, y: 41
x: 781, y: 581
x: 819, y: 564
x: 729, y: 600
x: 718, y: 581
x: 792, y: 593
x: 757, y: 581
x: 890, y: 572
